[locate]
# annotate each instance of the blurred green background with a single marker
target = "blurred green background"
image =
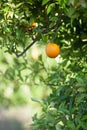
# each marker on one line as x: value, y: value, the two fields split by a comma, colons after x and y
x: 21, y: 80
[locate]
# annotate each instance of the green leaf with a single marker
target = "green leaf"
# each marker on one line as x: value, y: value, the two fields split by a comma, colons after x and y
x: 79, y: 80
x: 50, y: 7
x: 58, y: 127
x: 44, y: 38
x: 81, y: 98
x: 84, y: 117
x: 70, y: 12
x: 36, y: 100
x: 45, y: 2
x: 71, y: 2
x: 71, y: 125
x: 84, y: 4
x: 18, y: 5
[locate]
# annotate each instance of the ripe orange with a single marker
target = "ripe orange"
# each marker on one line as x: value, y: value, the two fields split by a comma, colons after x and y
x: 34, y: 24
x: 52, y: 50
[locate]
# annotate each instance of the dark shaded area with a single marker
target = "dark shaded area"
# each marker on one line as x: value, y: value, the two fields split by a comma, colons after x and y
x: 10, y: 124
x: 15, y: 118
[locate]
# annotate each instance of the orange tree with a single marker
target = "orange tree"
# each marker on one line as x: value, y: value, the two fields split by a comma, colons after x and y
x: 59, y: 21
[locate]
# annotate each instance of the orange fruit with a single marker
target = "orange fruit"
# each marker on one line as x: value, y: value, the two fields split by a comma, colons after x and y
x: 52, y: 50
x: 34, y: 24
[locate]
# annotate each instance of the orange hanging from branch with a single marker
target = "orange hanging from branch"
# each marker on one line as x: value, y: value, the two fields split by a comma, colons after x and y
x: 52, y: 50
x: 34, y: 24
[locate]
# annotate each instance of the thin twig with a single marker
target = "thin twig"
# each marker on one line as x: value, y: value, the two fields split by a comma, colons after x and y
x: 26, y: 49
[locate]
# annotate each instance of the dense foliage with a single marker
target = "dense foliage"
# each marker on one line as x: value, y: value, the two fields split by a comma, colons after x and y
x: 63, y: 22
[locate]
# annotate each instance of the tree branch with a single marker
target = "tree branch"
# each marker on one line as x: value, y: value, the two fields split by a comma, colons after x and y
x: 26, y: 49
x: 33, y: 42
